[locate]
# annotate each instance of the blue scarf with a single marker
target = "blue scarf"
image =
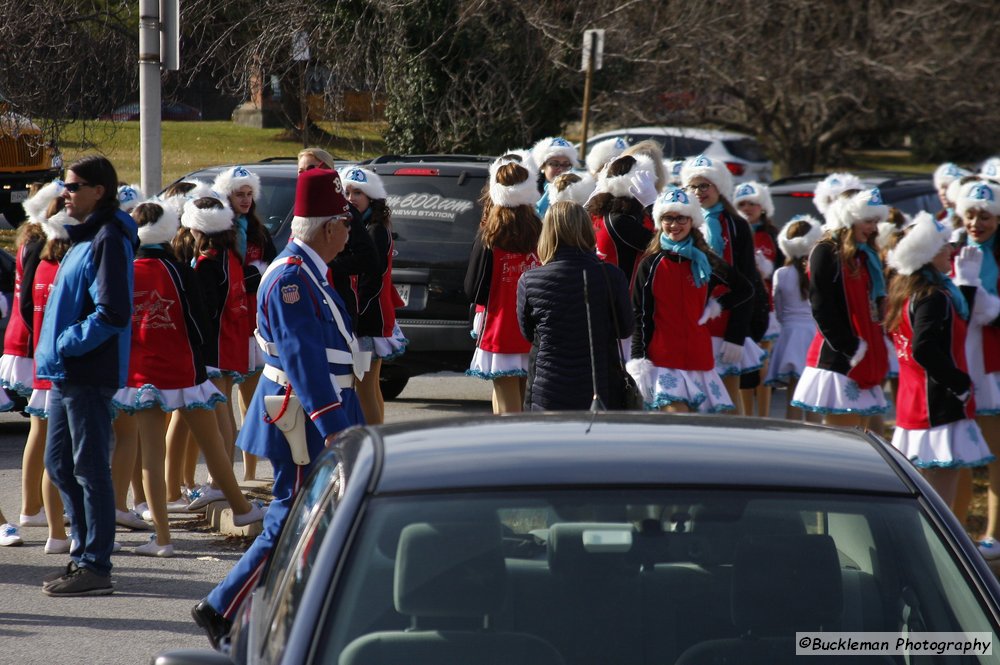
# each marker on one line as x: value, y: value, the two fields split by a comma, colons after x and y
x: 366, y: 215
x: 875, y: 273
x: 957, y: 299
x: 713, y: 228
x: 241, y: 236
x: 158, y: 245
x: 701, y: 269
x: 989, y: 272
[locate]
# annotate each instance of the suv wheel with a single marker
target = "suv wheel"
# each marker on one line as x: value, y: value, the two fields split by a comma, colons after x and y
x: 392, y: 381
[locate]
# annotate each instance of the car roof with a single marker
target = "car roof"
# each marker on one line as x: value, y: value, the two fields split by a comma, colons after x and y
x: 446, y: 165
x: 690, y: 132
x: 536, y: 450
x: 884, y: 179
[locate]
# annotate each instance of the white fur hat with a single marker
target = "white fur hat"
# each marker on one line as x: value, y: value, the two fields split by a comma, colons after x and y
x: 37, y: 206
x: 618, y: 185
x: 553, y: 146
x: 947, y: 173
x: 990, y: 168
x: 511, y: 196
x: 866, y: 204
x: 367, y: 181
x: 800, y: 246
x: 757, y: 193
x: 163, y: 229
x: 55, y: 226
x: 129, y: 197
x: 831, y: 187
x: 207, y: 220
x: 978, y: 196
x: 235, y: 177
x: 710, y: 169
x: 925, y: 238
x: 578, y: 192
x: 673, y: 168
x: 523, y: 157
x: 604, y: 152
x: 886, y: 230
x: 675, y: 199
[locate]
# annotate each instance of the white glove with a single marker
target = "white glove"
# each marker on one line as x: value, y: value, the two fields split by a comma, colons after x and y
x: 860, y: 353
x: 644, y: 373
x: 730, y: 354
x: 712, y: 310
x: 764, y: 264
x: 643, y: 188
x: 4, y: 306
x: 985, y: 307
x: 967, y: 265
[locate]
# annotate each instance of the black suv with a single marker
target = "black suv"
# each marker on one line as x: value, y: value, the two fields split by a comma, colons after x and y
x: 435, y: 216
x: 910, y: 192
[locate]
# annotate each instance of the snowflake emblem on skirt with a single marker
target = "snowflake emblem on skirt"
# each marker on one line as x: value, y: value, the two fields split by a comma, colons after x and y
x: 973, y: 431
x: 668, y: 381
x: 851, y: 391
x: 716, y: 391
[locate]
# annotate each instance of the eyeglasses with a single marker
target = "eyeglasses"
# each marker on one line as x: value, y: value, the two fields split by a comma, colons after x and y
x: 669, y: 220
x: 703, y: 187
x: 74, y: 187
x: 309, y: 168
x: 559, y: 165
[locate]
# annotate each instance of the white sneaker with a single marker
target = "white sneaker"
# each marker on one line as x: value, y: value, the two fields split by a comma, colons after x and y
x: 34, y: 520
x: 56, y: 546
x: 255, y: 514
x: 142, y: 509
x: 9, y: 536
x: 989, y: 548
x: 128, y: 519
x: 153, y: 548
x: 178, y: 506
x: 203, y: 497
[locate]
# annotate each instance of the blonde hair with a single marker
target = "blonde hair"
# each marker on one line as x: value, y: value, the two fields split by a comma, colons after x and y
x: 317, y: 153
x: 566, y: 224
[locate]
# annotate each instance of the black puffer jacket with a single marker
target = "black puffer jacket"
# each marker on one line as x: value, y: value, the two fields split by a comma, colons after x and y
x: 551, y: 313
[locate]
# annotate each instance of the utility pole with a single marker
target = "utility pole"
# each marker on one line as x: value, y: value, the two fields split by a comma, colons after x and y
x: 593, y: 49
x: 156, y: 40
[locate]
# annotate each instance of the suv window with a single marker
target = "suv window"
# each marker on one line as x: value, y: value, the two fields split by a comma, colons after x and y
x: 277, y: 198
x: 747, y: 149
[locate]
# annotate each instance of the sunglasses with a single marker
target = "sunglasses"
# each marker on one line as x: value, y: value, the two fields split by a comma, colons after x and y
x: 74, y: 187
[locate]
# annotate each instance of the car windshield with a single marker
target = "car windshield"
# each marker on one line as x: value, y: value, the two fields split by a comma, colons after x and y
x: 616, y: 576
x: 746, y: 148
x: 276, y: 200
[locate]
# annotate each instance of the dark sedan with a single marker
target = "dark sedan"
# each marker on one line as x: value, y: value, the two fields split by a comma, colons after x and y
x: 628, y: 539
x: 175, y: 111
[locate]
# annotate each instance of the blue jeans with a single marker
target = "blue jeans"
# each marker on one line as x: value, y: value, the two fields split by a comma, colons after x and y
x: 78, y: 458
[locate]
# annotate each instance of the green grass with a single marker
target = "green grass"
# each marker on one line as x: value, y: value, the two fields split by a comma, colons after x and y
x: 886, y: 160
x: 188, y: 146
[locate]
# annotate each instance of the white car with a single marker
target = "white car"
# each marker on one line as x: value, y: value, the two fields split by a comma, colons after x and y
x: 744, y: 157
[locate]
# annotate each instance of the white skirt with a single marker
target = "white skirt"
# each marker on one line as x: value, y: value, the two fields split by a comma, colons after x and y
x: 823, y: 391
x: 958, y: 444
x: 17, y: 373
x: 38, y: 404
x: 890, y: 351
x: 202, y: 396
x: 773, y: 328
x: 489, y: 365
x: 215, y: 373
x: 477, y: 324
x: 752, y: 360
x: 788, y: 355
x: 703, y: 392
x: 389, y: 348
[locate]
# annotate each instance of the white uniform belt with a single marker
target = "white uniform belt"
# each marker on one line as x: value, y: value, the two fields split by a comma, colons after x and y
x: 337, y: 356
x: 279, y: 377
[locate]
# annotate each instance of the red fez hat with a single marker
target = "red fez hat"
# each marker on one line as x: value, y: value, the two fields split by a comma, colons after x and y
x: 319, y: 193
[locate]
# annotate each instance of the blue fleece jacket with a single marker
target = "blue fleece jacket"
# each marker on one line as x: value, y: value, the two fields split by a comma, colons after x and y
x: 87, y: 329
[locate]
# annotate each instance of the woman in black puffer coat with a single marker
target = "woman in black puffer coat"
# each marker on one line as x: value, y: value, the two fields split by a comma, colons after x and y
x: 552, y: 314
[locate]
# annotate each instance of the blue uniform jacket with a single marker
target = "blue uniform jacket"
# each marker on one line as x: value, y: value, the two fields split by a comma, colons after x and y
x: 87, y: 330
x: 293, y: 315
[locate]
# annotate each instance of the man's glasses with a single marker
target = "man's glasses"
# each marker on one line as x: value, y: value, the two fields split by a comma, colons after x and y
x: 74, y: 187
x: 703, y: 187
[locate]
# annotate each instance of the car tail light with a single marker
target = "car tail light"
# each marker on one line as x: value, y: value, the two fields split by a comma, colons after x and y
x: 735, y: 168
x: 802, y: 195
x: 416, y: 171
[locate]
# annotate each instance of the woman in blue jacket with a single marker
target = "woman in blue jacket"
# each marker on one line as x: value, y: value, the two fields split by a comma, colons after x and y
x: 84, y: 351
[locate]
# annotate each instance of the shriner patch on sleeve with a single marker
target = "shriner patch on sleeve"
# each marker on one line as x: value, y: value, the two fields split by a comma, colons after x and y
x: 290, y: 294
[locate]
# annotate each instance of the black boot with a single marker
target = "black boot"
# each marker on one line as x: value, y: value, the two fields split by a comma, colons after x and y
x: 215, y: 625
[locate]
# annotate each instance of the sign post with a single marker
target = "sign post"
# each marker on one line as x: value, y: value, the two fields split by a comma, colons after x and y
x: 300, y: 53
x: 593, y: 52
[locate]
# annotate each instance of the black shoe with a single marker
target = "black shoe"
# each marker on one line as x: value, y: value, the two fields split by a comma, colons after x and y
x: 58, y: 575
x: 215, y: 625
x: 80, y: 582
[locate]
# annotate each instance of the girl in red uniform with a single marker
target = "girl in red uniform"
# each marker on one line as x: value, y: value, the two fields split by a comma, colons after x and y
x: 220, y: 273
x: 504, y: 249
x: 167, y: 373
x: 927, y: 316
x: 753, y: 200
x: 17, y: 370
x: 847, y: 359
x: 728, y: 236
x: 377, y: 326
x: 672, y: 358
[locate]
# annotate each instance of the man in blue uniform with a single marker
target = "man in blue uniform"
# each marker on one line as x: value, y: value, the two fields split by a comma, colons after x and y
x: 302, y: 325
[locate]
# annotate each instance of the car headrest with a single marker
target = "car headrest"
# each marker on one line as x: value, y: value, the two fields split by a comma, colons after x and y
x: 594, y: 548
x: 786, y: 583
x: 453, y: 569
